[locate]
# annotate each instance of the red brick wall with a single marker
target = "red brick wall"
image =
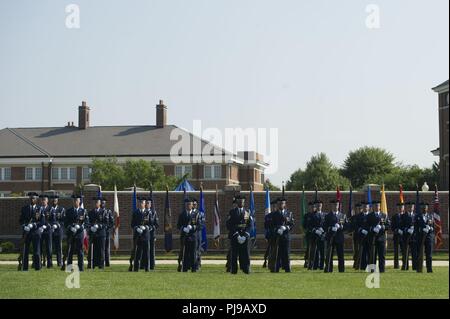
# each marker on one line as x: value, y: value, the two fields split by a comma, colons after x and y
x: 10, y: 210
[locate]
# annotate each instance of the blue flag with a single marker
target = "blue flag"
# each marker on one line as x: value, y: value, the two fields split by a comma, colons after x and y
x: 134, y: 200
x: 369, y: 196
x: 252, y: 214
x: 267, y: 202
x: 201, y: 209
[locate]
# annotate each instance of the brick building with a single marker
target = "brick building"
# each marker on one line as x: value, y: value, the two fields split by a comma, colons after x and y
x: 442, y: 151
x: 10, y: 211
x: 59, y: 158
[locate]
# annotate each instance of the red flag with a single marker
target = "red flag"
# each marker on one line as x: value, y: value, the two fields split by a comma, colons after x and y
x: 85, y: 241
x: 437, y: 219
x: 402, y: 199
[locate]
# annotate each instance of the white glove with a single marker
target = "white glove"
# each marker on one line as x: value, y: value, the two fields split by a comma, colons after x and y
x: 280, y: 231
x: 143, y: 227
x: 93, y: 229
x: 377, y: 228
x: 189, y: 227
x: 241, y: 239
x: 54, y: 226
x: 186, y: 229
x: 139, y: 230
x: 77, y: 226
x: 44, y: 227
x: 27, y: 229
x: 318, y: 232
x: 334, y: 229
x: 337, y: 226
x: 364, y: 232
x: 426, y: 229
x: 40, y: 230
x: 400, y: 232
x: 30, y: 226
x: 73, y: 229
x: 411, y: 230
x: 284, y: 228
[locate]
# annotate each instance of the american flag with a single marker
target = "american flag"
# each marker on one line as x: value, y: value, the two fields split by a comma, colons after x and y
x: 437, y: 218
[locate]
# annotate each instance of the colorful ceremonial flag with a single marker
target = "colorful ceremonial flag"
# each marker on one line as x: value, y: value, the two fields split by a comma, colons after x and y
x: 167, y: 224
x: 437, y: 218
x: 85, y: 233
x: 252, y: 214
x: 369, y: 195
x: 202, y: 211
x: 402, y: 199
x: 216, y: 231
x: 384, y: 208
x: 339, y: 197
x: 134, y: 199
x: 267, y: 202
x: 350, y: 203
x: 116, y: 220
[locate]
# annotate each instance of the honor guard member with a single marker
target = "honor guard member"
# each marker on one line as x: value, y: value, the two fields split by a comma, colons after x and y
x: 228, y: 263
x: 30, y: 221
x: 308, y: 232
x: 187, y: 224
x: 97, y: 235
x: 75, y: 222
x: 47, y: 234
x: 354, y: 230
x: 409, y: 240
x: 424, y: 226
x: 378, y: 223
x: 281, y: 223
x: 58, y: 228
x: 238, y: 225
x: 267, y: 232
x: 153, y: 224
x: 397, y: 234
x: 363, y: 232
x: 316, y: 258
x: 334, y: 225
x: 141, y: 234
x: 109, y: 222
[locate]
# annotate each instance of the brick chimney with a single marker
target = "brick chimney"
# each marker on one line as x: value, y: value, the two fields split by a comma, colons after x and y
x: 161, y: 114
x: 83, y: 116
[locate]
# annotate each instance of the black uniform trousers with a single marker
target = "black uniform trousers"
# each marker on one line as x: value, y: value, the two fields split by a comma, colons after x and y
x: 398, y: 249
x: 46, y: 245
x: 241, y: 252
x: 96, y: 258
x: 378, y: 251
x: 355, y: 250
x: 428, y: 243
x: 141, y: 250
x: 283, y: 258
x: 337, y: 247
x: 410, y: 249
x: 364, y: 248
x: 189, y: 254
x: 317, y: 254
x: 75, y: 246
x: 107, y: 247
x: 57, y: 238
x: 35, y: 239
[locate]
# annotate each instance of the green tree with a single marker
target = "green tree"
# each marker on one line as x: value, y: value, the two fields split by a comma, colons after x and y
x: 108, y: 172
x: 409, y: 176
x: 319, y: 170
x: 368, y: 165
x: 268, y: 184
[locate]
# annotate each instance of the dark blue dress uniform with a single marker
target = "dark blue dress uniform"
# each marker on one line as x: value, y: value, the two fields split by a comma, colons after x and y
x: 109, y: 222
x: 153, y: 224
x: 397, y: 236
x: 408, y: 240
x: 141, y: 237
x: 31, y: 221
x: 316, y: 258
x: 97, y: 237
x: 335, y: 224
x: 362, y: 230
x: 378, y: 223
x: 424, y: 227
x: 308, y: 235
x: 238, y: 225
x: 47, y: 234
x: 281, y: 223
x: 58, y: 231
x: 188, y: 223
x: 75, y: 222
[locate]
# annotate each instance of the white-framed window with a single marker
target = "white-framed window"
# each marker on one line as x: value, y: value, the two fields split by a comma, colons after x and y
x: 5, y: 173
x: 212, y: 171
x: 181, y: 170
x: 64, y: 173
x: 5, y: 194
x: 33, y: 173
x: 87, y: 171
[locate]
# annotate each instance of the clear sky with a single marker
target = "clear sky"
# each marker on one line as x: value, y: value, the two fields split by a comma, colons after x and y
x: 310, y: 68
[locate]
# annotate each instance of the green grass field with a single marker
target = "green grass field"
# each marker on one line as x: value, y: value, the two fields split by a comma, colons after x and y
x: 213, y: 282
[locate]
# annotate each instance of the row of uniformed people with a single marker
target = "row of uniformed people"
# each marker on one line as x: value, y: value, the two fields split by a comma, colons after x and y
x: 44, y: 227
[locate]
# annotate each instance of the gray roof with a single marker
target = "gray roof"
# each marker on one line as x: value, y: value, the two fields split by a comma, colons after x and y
x: 441, y: 86
x: 94, y: 141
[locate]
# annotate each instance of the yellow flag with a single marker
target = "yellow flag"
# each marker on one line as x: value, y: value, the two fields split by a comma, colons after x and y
x: 384, y: 208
